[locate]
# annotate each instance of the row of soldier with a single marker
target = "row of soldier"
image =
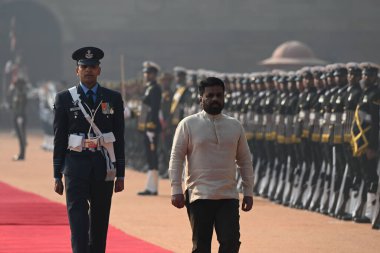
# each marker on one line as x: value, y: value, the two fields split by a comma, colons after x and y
x: 313, y: 133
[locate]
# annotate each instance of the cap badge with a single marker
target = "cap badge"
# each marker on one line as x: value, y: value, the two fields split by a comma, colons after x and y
x: 88, y: 55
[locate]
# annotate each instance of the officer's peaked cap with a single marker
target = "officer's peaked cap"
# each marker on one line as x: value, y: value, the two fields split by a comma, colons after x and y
x: 150, y: 67
x: 340, y: 70
x: 369, y: 68
x: 354, y: 68
x: 88, y: 56
x: 179, y: 71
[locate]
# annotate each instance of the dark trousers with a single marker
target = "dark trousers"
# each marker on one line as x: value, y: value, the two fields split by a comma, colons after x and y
x: 20, y: 127
x: 222, y: 214
x: 151, y: 151
x: 88, y: 207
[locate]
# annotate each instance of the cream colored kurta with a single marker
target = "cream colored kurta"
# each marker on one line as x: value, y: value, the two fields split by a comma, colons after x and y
x: 213, y: 147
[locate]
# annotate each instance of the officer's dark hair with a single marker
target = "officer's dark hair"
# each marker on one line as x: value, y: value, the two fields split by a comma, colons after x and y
x: 208, y: 82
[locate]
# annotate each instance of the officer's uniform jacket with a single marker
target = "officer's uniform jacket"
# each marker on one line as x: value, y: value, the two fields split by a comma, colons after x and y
x: 316, y: 116
x: 177, y: 108
x: 306, y: 100
x: 69, y: 119
x: 269, y: 118
x: 151, y: 104
x: 291, y: 111
x: 258, y: 108
x: 326, y: 112
x: 337, y: 108
x: 18, y: 99
x: 350, y: 101
x: 365, y: 130
x: 280, y: 115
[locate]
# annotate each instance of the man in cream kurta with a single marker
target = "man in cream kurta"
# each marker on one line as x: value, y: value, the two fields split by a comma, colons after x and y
x: 213, y: 146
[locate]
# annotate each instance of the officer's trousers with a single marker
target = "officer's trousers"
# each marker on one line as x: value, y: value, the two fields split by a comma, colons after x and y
x: 88, y: 207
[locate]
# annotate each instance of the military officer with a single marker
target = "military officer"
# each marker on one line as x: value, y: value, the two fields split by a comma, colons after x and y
x: 18, y: 102
x: 165, y: 81
x: 179, y: 97
x: 365, y: 133
x: 351, y: 178
x: 89, y: 151
x: 336, y: 135
x: 149, y: 125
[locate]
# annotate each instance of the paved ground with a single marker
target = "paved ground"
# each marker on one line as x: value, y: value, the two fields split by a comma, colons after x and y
x: 268, y: 228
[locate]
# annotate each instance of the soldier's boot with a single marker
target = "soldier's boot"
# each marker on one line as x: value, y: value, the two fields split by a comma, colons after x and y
x: 333, y: 202
x: 341, y: 206
x: 376, y: 218
x: 273, y: 184
x: 324, y: 204
x: 264, y: 183
x: 279, y: 190
x: 371, y: 204
x: 287, y: 193
x: 363, y: 209
x: 258, y: 177
x: 151, y: 188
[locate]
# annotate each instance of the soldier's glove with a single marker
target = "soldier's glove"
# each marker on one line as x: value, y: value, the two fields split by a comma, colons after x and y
x: 150, y: 135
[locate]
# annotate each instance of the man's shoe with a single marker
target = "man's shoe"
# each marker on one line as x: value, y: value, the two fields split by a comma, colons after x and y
x: 147, y: 193
x: 376, y: 226
x: 18, y: 158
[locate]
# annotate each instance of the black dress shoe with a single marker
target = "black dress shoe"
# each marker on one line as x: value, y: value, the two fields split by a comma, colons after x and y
x: 18, y: 158
x: 362, y: 220
x: 376, y: 226
x: 147, y: 193
x: 345, y: 217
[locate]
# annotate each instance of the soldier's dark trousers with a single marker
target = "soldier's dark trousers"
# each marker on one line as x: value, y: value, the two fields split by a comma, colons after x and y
x: 369, y: 171
x: 206, y: 214
x: 88, y: 207
x: 151, y: 151
x: 20, y: 125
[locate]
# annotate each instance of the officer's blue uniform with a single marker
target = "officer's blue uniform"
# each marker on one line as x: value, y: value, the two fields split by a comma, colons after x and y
x: 88, y: 195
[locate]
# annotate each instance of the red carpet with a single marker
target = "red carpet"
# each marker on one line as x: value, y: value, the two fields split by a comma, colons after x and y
x: 30, y: 223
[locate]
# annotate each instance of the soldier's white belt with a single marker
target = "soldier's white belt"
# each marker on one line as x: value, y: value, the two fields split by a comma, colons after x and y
x: 78, y: 142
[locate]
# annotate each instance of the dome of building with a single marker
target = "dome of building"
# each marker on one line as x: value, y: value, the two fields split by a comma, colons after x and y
x: 292, y: 53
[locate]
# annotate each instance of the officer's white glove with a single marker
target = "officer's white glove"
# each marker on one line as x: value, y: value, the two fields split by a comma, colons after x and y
x: 150, y: 135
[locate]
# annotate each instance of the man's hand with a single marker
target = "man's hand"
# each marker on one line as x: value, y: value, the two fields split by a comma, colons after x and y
x: 119, y: 185
x: 247, y: 203
x: 58, y: 186
x: 178, y: 200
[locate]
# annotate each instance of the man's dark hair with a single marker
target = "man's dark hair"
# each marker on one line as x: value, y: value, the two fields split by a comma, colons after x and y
x: 209, y: 81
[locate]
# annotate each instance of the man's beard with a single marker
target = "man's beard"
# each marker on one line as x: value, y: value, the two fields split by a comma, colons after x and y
x: 212, y: 109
